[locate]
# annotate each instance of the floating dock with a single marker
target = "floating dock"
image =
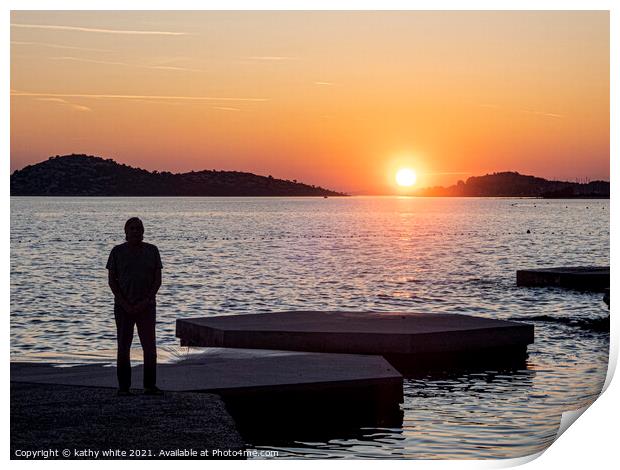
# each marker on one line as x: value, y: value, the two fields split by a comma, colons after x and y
x: 278, y: 391
x: 410, y: 341
x: 585, y: 278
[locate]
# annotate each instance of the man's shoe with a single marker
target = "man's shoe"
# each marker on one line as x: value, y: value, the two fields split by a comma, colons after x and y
x: 153, y: 391
x: 124, y: 393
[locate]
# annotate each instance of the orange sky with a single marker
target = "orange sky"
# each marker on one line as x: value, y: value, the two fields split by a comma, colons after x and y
x: 338, y: 99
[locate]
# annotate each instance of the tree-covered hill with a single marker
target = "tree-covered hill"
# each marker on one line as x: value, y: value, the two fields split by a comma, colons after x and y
x: 84, y: 175
x: 512, y: 184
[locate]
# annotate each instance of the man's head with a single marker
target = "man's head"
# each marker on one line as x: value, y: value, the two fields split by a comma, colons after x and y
x: 134, y: 230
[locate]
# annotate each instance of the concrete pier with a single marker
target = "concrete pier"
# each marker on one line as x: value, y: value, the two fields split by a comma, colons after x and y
x: 266, y: 392
x: 410, y: 341
x: 586, y: 278
x: 93, y: 423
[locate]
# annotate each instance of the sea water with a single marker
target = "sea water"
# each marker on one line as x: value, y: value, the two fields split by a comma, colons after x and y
x: 250, y: 255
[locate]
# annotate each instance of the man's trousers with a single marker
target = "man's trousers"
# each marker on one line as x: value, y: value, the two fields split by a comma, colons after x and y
x: 125, y: 323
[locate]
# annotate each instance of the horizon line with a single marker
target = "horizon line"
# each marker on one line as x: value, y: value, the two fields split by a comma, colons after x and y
x: 343, y: 191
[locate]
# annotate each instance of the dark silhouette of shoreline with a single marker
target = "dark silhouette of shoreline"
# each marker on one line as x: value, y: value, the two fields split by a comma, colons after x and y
x: 513, y: 184
x: 84, y: 175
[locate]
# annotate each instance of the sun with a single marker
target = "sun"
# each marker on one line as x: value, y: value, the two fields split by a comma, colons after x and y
x: 405, y: 177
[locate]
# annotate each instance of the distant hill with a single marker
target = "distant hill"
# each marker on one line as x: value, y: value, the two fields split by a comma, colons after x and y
x: 512, y: 184
x: 84, y: 175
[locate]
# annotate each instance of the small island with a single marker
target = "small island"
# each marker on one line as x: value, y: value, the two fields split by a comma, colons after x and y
x: 513, y: 184
x: 86, y: 175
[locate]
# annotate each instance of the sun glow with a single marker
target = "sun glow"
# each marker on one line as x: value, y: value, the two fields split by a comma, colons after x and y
x: 405, y: 177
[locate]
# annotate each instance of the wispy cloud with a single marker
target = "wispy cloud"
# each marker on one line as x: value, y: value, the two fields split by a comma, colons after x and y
x: 58, y: 46
x: 272, y: 58
x: 171, y: 67
x: 97, y: 30
x: 53, y: 100
x: 527, y: 111
x: 90, y: 61
x: 225, y: 108
x: 323, y: 83
x: 134, y: 97
x: 126, y: 64
x: 543, y: 113
x: 154, y: 101
x: 77, y: 107
x: 80, y: 107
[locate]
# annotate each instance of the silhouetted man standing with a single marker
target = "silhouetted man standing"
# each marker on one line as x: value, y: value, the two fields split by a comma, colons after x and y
x: 134, y: 275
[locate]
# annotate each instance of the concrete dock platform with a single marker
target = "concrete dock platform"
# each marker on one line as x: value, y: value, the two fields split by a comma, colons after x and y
x: 89, y: 421
x: 410, y: 341
x: 586, y: 278
x: 275, y: 390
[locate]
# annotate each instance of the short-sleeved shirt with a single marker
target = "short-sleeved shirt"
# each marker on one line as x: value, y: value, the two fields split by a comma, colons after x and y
x: 135, y: 269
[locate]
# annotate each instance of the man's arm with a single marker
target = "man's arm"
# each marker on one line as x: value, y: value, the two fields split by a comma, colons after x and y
x: 156, y: 285
x: 150, y: 296
x: 116, y: 290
